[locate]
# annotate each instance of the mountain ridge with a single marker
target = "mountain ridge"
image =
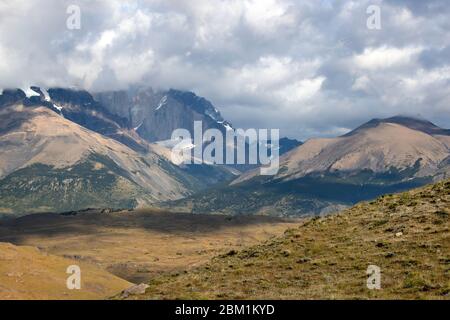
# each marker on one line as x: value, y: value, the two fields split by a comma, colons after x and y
x: 75, y: 161
x: 77, y: 133
x: 315, y: 177
x: 376, y: 145
x: 411, y: 122
x: 156, y: 114
x: 326, y: 174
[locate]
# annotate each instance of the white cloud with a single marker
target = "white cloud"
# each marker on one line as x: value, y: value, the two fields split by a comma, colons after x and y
x: 301, y: 90
x: 308, y: 67
x: 268, y: 15
x: 133, y: 68
x: 385, y: 57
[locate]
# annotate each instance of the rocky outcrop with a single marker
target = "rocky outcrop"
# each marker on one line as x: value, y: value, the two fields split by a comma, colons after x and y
x: 156, y: 114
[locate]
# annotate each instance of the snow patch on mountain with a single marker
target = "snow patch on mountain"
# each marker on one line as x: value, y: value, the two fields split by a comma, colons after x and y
x: 162, y: 103
x: 30, y: 92
x: 226, y: 125
x: 140, y: 125
x: 213, y: 114
x: 46, y: 95
x: 59, y: 108
x: 183, y: 144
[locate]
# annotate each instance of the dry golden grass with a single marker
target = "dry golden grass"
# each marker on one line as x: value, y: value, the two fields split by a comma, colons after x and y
x: 139, y: 245
x: 27, y: 273
x: 406, y: 235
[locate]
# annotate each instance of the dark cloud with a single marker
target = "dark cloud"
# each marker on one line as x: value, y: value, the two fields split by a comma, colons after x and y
x: 435, y: 58
x: 421, y: 7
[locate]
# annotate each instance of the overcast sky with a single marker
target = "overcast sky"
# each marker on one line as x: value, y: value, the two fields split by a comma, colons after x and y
x: 310, y: 68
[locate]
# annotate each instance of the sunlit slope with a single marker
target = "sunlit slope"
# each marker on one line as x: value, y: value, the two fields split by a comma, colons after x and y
x: 406, y: 235
x: 323, y: 175
x: 27, y: 273
x: 49, y: 163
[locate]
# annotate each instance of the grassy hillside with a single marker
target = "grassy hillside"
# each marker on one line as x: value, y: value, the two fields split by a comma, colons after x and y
x: 96, y: 182
x: 406, y: 235
x: 28, y: 273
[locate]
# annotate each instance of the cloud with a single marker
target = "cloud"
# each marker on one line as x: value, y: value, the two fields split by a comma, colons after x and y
x: 384, y: 57
x: 310, y: 68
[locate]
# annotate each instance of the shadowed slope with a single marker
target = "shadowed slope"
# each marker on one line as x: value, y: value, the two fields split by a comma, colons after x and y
x: 136, y: 245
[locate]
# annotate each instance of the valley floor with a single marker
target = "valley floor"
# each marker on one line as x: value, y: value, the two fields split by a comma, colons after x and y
x: 135, y: 246
x: 185, y: 256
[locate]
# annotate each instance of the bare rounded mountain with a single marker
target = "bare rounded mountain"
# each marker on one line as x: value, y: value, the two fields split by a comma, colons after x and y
x: 378, y: 146
x: 49, y: 163
x: 323, y: 175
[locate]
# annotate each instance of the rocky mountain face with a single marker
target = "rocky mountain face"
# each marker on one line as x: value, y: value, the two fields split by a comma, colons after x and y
x: 66, y: 149
x: 287, y: 145
x: 137, y: 117
x: 80, y: 107
x: 156, y: 114
x: 321, y: 175
x: 60, y: 150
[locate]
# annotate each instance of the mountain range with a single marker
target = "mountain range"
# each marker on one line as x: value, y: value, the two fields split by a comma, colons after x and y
x: 67, y: 149
x: 63, y: 150
x: 49, y: 163
x: 156, y: 114
x: 323, y: 175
